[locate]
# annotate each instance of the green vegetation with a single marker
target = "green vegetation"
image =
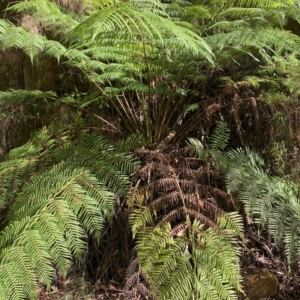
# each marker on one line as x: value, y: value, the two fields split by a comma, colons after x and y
x: 141, y: 145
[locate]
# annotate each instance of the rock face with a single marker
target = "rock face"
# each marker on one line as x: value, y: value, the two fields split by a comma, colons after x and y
x: 261, y: 284
x: 41, y: 75
x: 11, y: 69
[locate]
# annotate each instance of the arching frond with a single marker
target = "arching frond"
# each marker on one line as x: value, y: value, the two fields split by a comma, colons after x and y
x: 180, y: 267
x: 59, y: 193
x: 144, y: 28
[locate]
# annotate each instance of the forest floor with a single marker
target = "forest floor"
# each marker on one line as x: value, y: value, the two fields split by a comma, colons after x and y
x: 263, y: 266
x: 265, y: 269
x: 79, y: 289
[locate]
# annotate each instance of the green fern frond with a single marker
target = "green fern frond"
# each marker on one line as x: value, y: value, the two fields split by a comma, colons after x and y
x: 19, y: 96
x: 218, y: 141
x: 154, y: 6
x: 101, y: 158
x: 271, y: 202
x: 133, y: 142
x: 45, y: 13
x: 274, y: 41
x: 22, y: 163
x: 54, y: 49
x: 123, y: 18
x: 197, y: 11
x: 10, y: 282
x: 95, y: 5
x: 139, y: 219
x: 198, y: 147
x: 58, y: 198
x: 180, y: 267
x: 220, y: 136
x: 264, y: 3
x: 232, y: 222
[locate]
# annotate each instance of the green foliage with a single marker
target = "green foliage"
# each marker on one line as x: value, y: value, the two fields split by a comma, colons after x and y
x: 16, y: 97
x: 270, y: 201
x: 46, y: 14
x: 146, y: 58
x: 58, y: 191
x: 283, y: 74
x: 212, y: 153
x: 204, y: 264
x: 153, y: 63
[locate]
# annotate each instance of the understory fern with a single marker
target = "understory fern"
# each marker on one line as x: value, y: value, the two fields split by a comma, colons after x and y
x: 269, y: 201
x: 57, y: 192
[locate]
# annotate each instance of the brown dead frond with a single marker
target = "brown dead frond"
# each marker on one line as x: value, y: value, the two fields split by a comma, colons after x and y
x: 31, y: 24
x: 171, y: 191
x: 176, y: 190
x: 136, y: 286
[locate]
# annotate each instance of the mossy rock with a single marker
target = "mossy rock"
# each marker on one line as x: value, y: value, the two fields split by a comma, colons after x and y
x: 260, y: 284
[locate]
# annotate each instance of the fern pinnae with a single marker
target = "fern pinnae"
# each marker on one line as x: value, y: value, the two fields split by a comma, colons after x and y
x: 32, y: 243
x: 46, y: 13
x: 11, y: 232
x: 220, y: 136
x: 11, y: 282
x: 56, y: 245
x: 139, y: 219
x: 131, y: 143
x: 69, y: 225
x: 20, y: 259
x: 291, y: 240
x: 232, y: 222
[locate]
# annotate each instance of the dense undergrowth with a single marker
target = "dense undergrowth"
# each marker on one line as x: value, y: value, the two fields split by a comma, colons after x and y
x: 137, y: 168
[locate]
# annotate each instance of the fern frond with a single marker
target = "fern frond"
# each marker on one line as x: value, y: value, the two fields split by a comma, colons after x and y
x: 272, y: 202
x: 220, y: 137
x: 57, y: 198
x: 137, y: 23
x: 232, y: 222
x: 20, y: 96
x: 139, y: 219
x: 10, y: 282
x: 133, y: 142
x: 45, y: 13
x: 264, y: 3
x: 31, y: 243
x: 274, y: 41
x: 176, y: 225
x: 180, y: 267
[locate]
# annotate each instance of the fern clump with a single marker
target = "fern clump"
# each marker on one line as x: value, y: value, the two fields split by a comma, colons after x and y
x: 58, y: 193
x: 271, y: 202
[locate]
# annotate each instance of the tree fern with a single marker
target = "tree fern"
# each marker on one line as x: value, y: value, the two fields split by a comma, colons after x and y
x: 132, y: 51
